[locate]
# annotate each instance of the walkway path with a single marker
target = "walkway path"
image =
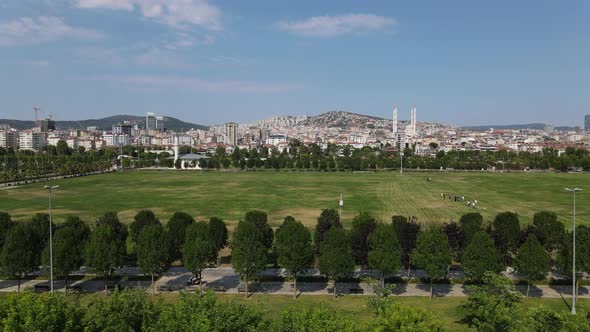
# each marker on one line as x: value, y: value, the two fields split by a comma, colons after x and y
x: 226, y: 278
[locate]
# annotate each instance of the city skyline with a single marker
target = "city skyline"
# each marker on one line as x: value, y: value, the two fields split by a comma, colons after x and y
x: 216, y: 61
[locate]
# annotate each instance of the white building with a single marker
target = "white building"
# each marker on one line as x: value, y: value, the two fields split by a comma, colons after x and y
x: 116, y: 139
x: 31, y: 140
x: 276, y: 139
x: 8, y: 139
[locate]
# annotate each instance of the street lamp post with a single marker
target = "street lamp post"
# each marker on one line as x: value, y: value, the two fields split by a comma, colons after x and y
x: 401, y: 156
x: 50, y: 188
x: 574, y: 191
x: 340, y: 204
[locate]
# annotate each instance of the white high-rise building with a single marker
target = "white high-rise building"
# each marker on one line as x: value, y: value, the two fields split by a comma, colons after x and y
x: 394, y: 126
x: 31, y: 140
x: 8, y: 139
x: 411, y: 128
x: 231, y: 133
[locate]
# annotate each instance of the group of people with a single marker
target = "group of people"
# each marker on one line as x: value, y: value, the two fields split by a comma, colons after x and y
x: 458, y: 198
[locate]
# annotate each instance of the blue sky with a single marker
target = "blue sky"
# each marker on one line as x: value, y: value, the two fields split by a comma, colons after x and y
x: 459, y: 61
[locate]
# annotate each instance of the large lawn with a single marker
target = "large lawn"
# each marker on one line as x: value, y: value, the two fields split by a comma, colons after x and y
x: 303, y: 195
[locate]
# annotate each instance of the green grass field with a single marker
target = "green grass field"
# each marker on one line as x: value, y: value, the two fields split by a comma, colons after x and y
x: 303, y: 195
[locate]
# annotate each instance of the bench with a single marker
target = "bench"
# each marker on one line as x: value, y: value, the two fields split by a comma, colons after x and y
x: 42, y: 288
x: 356, y: 290
x: 219, y: 288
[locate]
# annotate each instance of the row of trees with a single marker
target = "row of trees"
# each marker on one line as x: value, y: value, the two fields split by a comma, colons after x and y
x: 384, y: 247
x: 104, y: 247
x: 478, y: 248
x: 347, y: 158
x: 61, y: 160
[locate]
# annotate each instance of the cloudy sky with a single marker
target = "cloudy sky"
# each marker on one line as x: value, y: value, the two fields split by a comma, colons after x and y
x: 207, y: 61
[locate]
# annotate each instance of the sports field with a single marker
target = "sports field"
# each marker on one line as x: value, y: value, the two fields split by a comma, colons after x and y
x: 303, y: 195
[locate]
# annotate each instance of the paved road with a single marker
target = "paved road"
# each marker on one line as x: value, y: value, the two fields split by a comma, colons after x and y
x: 176, y: 278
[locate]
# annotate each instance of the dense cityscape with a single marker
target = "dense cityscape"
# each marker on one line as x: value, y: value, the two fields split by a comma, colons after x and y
x: 338, y: 128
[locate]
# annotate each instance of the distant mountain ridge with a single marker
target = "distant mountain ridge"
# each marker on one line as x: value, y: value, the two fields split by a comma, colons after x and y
x: 534, y: 126
x: 108, y: 122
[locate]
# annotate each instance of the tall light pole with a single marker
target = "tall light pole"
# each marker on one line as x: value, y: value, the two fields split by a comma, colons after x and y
x: 574, y: 191
x: 401, y: 156
x: 50, y: 188
x: 340, y: 204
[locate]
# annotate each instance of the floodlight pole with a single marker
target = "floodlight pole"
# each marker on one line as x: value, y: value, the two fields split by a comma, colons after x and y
x: 574, y: 191
x: 50, y: 188
x: 401, y: 170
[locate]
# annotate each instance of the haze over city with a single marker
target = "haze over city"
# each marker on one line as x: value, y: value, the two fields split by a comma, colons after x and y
x: 210, y: 62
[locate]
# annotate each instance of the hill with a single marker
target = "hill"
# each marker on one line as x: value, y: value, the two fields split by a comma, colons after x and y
x: 107, y: 123
x: 345, y: 120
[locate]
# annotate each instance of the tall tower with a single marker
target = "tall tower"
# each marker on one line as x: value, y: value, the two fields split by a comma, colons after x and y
x: 413, y: 120
x: 394, y: 126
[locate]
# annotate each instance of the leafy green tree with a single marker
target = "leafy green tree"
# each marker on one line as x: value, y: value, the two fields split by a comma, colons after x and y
x: 543, y: 320
x: 532, y: 261
x: 40, y: 227
x: 506, y: 230
x: 328, y: 218
x: 103, y: 252
x: 456, y: 237
x: 407, y: 233
x: 176, y: 231
x: 142, y: 218
x: 294, y: 249
x: 62, y: 148
x: 79, y: 227
x: 492, y: 305
x: 68, y: 252
x: 18, y: 253
x: 471, y: 223
x: 362, y: 226
x: 129, y: 310
x: 384, y: 251
x: 152, y: 254
x: 198, y: 249
x: 260, y: 219
x: 336, y: 260
x: 480, y: 256
x: 5, y: 224
x: 398, y: 317
x: 432, y: 254
x: 249, y: 254
x: 218, y: 233
x: 47, y: 312
x: 548, y: 229
x: 317, y: 319
x: 119, y: 230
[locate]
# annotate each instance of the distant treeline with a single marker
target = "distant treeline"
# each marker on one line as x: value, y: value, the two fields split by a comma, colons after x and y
x: 61, y: 160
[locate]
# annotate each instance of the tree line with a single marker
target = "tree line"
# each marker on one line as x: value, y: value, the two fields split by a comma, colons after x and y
x: 386, y: 248
x: 62, y: 160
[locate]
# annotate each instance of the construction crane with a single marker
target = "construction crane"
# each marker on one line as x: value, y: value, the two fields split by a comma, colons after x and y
x: 36, y: 110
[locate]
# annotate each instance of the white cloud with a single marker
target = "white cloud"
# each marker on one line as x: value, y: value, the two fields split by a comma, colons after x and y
x: 36, y: 30
x: 198, y: 85
x: 328, y: 26
x: 175, y: 13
